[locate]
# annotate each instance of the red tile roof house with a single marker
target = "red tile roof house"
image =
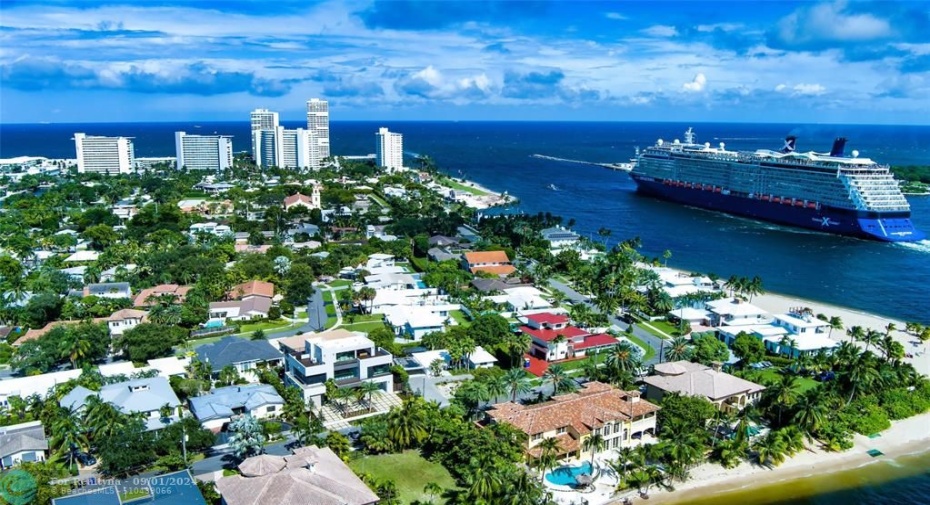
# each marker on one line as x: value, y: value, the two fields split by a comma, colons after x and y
x: 553, y: 338
x: 179, y: 292
x: 249, y: 289
x: 493, y: 262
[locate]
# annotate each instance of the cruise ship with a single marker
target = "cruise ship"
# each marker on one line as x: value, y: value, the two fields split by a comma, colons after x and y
x: 830, y: 192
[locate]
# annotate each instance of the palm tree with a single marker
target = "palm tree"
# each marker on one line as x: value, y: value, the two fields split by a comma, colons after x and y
x: 515, y: 345
x: 783, y: 393
x: 745, y: 419
x: 855, y: 333
x: 836, y: 323
x: 684, y: 448
x: 483, y: 482
x: 516, y: 382
x: 871, y: 338
x: 367, y: 390
x: 559, y: 378
x: 407, y: 423
x: 678, y: 349
x: 76, y: 349
x: 594, y: 443
x: 859, y: 375
x: 770, y: 451
x: 548, y: 452
x: 496, y: 387
x: 432, y: 489
x: 728, y: 453
x: 623, y: 357
x: 68, y: 433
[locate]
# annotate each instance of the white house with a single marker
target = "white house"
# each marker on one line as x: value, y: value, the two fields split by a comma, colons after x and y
x: 240, y: 310
x: 139, y: 396
x: 735, y: 312
x: 124, y: 320
x: 22, y: 442
x: 413, y: 321
x: 346, y: 357
x: 210, y: 228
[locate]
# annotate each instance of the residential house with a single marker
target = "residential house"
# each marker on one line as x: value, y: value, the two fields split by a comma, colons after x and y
x: 439, y: 254
x: 379, y: 232
x: 735, y: 312
x: 123, y: 320
x: 692, y: 316
x: 125, y: 209
x: 793, y: 334
x: 560, y: 238
x: 22, y: 442
x: 241, y: 354
x: 312, y: 475
x: 75, y: 274
x: 478, y: 358
x: 210, y: 228
x: 492, y: 262
x: 83, y: 256
x: 162, y: 290
x: 491, y: 285
x: 108, y: 290
x: 308, y: 202
x: 379, y: 260
x: 110, y: 274
x: 178, y: 488
x: 694, y: 379
x: 144, y: 396
x: 251, y: 289
x: 553, y: 338
x: 208, y: 208
x: 346, y: 357
x: 255, y: 307
x: 165, y: 367
x: 216, y: 409
x: 36, y: 333
x: 444, y: 241
x: 413, y: 321
x: 467, y: 234
x: 676, y: 283
x: 40, y: 385
x: 522, y: 298
x: 620, y: 417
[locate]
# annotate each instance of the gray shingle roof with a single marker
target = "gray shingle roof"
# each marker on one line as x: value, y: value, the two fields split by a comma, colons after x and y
x: 232, y: 350
x: 220, y: 402
x: 22, y: 437
x: 140, y: 395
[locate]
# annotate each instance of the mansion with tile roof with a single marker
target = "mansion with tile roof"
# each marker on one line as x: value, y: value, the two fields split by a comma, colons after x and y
x: 597, y: 408
x: 725, y: 391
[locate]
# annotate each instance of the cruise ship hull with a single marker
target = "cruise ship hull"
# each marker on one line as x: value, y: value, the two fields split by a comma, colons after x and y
x: 892, y: 227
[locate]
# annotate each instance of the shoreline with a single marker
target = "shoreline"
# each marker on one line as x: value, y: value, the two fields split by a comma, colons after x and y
x: 906, y: 438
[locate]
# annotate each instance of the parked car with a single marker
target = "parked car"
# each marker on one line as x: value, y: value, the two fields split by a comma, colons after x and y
x: 85, y: 459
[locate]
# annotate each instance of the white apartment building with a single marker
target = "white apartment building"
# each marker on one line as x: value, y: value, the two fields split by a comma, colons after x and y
x: 347, y: 357
x: 318, y: 125
x: 104, y: 155
x: 264, y: 119
x: 299, y: 149
x: 203, y: 152
x: 268, y: 147
x: 390, y: 150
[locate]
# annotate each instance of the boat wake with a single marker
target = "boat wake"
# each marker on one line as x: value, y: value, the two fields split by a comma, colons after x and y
x: 920, y: 246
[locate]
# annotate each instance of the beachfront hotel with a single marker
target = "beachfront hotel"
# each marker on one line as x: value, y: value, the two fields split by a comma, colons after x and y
x: 390, y: 150
x: 318, y: 125
x: 104, y: 155
x: 203, y: 152
x: 622, y: 418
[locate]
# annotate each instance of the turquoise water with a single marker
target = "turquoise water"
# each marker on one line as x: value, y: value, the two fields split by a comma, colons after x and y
x: 213, y: 324
x: 566, y: 475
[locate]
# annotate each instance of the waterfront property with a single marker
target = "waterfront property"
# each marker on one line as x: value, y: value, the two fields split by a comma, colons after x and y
x: 22, y: 442
x: 620, y: 417
x: 560, y: 238
x: 203, y: 152
x: 104, y: 155
x: 139, y: 396
x: 349, y: 358
x: 694, y: 379
x: 216, y: 409
x: 389, y: 150
x: 310, y: 475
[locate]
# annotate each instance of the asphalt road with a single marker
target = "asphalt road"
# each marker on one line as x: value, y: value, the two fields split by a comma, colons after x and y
x: 645, y: 336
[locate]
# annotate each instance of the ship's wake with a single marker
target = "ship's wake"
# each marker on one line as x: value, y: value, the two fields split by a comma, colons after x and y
x: 920, y: 246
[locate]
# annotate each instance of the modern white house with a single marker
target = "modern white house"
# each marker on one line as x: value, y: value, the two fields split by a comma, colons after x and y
x: 413, y: 321
x: 22, y: 442
x: 104, y: 155
x: 240, y: 310
x: 216, y: 409
x: 560, y: 238
x: 349, y: 358
x: 735, y: 312
x: 210, y: 228
x: 389, y: 150
x: 203, y: 152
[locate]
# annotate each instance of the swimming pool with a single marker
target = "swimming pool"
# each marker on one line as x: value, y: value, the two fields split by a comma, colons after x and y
x: 567, y: 475
x: 213, y: 324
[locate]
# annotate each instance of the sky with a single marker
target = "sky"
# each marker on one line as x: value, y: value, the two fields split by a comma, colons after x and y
x: 749, y: 61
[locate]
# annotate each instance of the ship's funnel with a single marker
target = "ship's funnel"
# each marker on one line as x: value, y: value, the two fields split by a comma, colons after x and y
x: 789, y: 144
x: 838, y: 145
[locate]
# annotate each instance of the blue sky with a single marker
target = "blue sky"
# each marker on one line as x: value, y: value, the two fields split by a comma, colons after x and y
x: 162, y: 60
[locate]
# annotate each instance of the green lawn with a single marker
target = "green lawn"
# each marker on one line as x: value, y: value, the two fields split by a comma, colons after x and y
x: 650, y: 327
x: 461, y: 187
x: 665, y: 326
x: 330, y: 322
x: 366, y: 327
x: 408, y: 470
x: 338, y: 283
x: 650, y: 352
x: 804, y: 383
x: 459, y: 317
x: 264, y: 326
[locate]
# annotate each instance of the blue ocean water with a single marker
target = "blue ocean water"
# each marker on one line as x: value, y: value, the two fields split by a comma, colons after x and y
x: 890, y: 279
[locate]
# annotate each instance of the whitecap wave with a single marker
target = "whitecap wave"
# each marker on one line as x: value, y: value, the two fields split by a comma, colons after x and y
x: 920, y: 246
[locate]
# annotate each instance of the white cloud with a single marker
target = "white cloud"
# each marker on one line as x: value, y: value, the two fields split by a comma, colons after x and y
x: 697, y: 84
x: 809, y: 89
x: 781, y: 87
x: 661, y: 31
x: 829, y: 22
x: 616, y: 16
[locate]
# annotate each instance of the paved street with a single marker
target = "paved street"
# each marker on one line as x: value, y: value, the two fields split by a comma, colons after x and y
x: 645, y: 336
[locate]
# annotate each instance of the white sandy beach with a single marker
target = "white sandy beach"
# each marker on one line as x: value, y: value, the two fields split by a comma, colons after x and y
x: 908, y: 436
x: 777, y: 304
